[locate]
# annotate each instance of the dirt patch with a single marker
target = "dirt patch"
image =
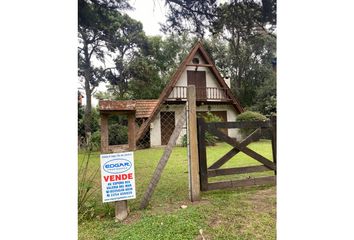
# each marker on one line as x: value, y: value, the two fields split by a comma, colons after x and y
x: 202, y: 236
x: 263, y: 200
x: 173, y: 207
x: 215, y: 221
x: 132, y: 218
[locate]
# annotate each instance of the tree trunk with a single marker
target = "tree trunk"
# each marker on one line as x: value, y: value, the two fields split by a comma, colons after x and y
x: 88, y: 92
x: 88, y: 113
x: 235, y: 42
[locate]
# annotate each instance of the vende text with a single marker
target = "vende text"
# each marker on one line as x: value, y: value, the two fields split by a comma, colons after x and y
x: 113, y: 178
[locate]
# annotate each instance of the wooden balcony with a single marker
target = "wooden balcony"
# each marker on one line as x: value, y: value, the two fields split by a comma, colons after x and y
x: 179, y: 93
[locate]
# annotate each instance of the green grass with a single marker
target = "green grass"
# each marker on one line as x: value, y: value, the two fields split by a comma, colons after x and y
x: 243, y: 213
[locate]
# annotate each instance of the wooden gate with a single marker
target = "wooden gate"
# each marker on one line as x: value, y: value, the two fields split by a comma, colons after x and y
x: 214, y: 170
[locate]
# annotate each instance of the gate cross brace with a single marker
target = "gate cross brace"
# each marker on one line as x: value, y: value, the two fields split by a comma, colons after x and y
x: 254, y: 135
x: 242, y: 148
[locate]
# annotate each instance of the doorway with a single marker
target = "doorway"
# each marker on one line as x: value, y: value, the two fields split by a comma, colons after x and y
x: 198, y: 79
x: 167, y: 126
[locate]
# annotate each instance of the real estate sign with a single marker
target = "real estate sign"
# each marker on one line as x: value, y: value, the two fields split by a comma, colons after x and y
x: 117, y: 176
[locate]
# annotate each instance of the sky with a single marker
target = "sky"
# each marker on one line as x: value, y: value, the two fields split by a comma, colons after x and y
x: 149, y: 13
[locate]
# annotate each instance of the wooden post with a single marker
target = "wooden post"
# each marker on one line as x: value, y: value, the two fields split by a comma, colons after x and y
x: 121, y: 212
x: 203, y: 169
x: 131, y: 131
x: 193, y: 161
x: 104, y: 133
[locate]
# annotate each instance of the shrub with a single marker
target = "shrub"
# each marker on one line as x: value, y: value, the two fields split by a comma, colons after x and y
x: 209, y: 117
x: 118, y: 134
x: 210, y: 140
x: 86, y: 187
x: 96, y: 141
x: 249, y: 116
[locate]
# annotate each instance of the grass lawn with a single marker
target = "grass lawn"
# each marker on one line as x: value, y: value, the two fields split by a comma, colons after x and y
x: 243, y: 213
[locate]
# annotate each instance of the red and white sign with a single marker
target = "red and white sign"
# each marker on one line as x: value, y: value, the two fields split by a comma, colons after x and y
x: 117, y: 176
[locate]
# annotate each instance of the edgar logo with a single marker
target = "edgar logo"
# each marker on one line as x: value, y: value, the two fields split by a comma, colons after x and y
x: 118, y: 165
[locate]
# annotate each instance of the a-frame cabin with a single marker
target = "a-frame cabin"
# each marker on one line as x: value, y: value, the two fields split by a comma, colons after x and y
x: 212, y: 92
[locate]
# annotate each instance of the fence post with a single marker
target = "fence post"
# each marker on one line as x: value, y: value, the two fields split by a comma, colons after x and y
x: 193, y: 160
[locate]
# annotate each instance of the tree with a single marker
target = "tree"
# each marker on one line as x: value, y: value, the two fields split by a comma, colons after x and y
x: 189, y: 16
x: 94, y: 18
x: 196, y: 16
x: 80, y: 117
x: 266, y: 97
x: 125, y: 41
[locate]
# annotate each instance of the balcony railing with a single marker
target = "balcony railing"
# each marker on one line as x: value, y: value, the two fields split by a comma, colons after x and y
x: 202, y: 94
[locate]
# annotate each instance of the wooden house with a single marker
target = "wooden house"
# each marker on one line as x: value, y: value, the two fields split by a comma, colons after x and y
x: 155, y: 119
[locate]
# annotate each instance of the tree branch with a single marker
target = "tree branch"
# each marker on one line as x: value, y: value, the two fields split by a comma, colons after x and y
x: 265, y: 30
x: 190, y: 9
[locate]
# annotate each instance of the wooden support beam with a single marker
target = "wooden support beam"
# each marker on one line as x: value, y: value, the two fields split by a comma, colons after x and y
x: 131, y: 131
x: 199, y: 65
x: 253, y: 124
x: 193, y: 160
x: 242, y: 183
x: 117, y: 112
x: 104, y: 133
x: 162, y: 163
x: 238, y: 170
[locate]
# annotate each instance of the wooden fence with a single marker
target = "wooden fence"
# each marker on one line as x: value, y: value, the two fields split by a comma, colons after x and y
x: 214, y: 170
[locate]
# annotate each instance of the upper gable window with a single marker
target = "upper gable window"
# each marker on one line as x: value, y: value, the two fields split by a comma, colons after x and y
x: 195, y: 60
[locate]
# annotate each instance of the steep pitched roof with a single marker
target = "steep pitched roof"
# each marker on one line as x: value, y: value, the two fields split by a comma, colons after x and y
x: 197, y: 48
